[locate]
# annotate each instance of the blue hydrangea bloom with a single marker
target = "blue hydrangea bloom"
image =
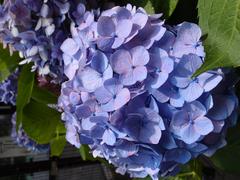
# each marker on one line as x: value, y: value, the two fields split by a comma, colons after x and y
x: 130, y: 95
x: 22, y: 140
x: 8, y: 89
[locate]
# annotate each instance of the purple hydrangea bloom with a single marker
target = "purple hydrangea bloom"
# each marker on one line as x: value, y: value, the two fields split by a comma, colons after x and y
x: 22, y: 140
x: 8, y: 89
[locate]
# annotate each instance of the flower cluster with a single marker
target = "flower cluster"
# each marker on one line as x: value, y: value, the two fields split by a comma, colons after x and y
x: 35, y: 28
x: 131, y: 96
x: 23, y: 140
x: 8, y: 89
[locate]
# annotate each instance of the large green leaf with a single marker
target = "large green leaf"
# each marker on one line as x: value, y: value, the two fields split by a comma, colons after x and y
x: 43, y: 96
x: 8, y: 63
x: 40, y: 122
x: 25, y: 86
x: 220, y: 20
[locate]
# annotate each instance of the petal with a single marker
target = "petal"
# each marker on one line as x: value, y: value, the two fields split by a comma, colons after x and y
x: 181, y: 82
x: 192, y: 92
x: 128, y: 78
x: 150, y: 133
x: 140, y: 56
x: 108, y: 73
x: 69, y: 47
x: 120, y: 61
x: 159, y: 80
x: 180, y: 120
x: 118, y: 41
x: 209, y: 81
x: 160, y: 96
x: 124, y: 28
x: 189, y: 135
x: 105, y: 43
x: 83, y: 112
x: 106, y: 26
x: 195, y: 109
x: 103, y: 95
x: 109, y: 137
x: 99, y: 61
x: 223, y: 107
x: 90, y: 79
x: 140, y: 73
x: 122, y: 98
x: 140, y: 19
x: 74, y: 98
x: 113, y: 85
x: 203, y: 125
x: 178, y: 155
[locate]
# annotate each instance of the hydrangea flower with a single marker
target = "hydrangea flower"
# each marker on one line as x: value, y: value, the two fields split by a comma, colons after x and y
x: 22, y: 140
x: 130, y: 95
x: 8, y: 89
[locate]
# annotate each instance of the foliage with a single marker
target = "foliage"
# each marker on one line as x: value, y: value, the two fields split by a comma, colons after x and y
x: 219, y: 19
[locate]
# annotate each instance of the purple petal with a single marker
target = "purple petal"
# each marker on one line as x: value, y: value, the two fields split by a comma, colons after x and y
x: 118, y: 41
x: 140, y: 19
x: 113, y: 86
x: 150, y: 133
x: 124, y: 28
x: 109, y: 137
x: 69, y: 47
x: 106, y: 26
x: 90, y: 79
x: 159, y: 80
x: 99, y: 62
x: 103, y: 95
x: 122, y: 98
x: 121, y: 61
x: 140, y: 73
x: 128, y: 78
x: 140, y: 56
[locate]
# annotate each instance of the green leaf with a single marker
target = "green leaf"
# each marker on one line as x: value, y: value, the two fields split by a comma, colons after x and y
x: 43, y: 96
x: 40, y: 122
x: 57, y: 145
x: 220, y: 20
x: 164, y: 6
x: 228, y: 158
x: 8, y: 63
x: 25, y: 86
x: 85, y: 153
x: 149, y: 7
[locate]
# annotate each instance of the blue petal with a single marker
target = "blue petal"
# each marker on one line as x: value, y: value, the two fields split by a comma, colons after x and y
x: 192, y: 92
x: 178, y: 155
x: 109, y: 137
x: 203, y: 125
x: 106, y: 26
